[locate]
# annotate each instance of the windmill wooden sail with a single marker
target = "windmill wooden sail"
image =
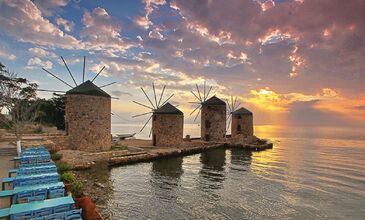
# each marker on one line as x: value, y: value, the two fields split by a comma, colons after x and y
x: 232, y: 107
x: 87, y: 112
x: 167, y: 121
x: 212, y: 112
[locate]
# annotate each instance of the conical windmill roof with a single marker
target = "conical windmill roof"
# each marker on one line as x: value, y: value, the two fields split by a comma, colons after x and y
x: 88, y: 88
x: 168, y: 109
x: 214, y: 101
x: 242, y: 111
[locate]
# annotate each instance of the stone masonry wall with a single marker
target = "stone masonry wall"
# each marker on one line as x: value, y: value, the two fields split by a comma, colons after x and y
x: 60, y: 142
x: 213, y: 122
x: 88, y: 122
x: 242, y: 124
x: 168, y: 129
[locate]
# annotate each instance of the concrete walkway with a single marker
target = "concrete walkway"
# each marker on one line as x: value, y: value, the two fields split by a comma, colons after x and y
x: 5, y: 165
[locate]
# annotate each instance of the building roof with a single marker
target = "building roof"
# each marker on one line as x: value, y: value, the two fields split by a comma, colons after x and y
x: 168, y: 109
x: 242, y: 111
x: 87, y: 88
x: 214, y: 101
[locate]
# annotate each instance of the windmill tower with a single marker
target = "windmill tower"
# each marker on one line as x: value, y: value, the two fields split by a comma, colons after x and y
x: 167, y: 121
x: 241, y: 118
x: 87, y: 113
x: 242, y: 123
x: 213, y: 115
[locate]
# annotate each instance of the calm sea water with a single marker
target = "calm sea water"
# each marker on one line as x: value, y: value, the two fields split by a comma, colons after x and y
x: 310, y: 174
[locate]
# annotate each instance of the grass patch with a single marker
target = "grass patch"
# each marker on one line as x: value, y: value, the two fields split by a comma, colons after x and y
x: 119, y: 148
x: 77, y: 189
x: 38, y: 130
x: 62, y: 167
x: 67, y: 177
x: 56, y: 157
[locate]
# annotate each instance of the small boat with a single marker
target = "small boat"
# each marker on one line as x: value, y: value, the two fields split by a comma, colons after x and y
x: 124, y: 136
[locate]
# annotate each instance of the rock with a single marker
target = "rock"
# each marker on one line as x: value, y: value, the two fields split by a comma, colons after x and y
x: 99, y: 185
x: 187, y: 138
x: 89, y: 210
x: 251, y: 139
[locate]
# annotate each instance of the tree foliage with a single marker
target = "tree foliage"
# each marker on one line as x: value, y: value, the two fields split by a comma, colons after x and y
x: 18, y: 99
x: 52, y: 112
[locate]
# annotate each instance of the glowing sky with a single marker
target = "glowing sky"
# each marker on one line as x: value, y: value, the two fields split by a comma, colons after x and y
x: 298, y: 62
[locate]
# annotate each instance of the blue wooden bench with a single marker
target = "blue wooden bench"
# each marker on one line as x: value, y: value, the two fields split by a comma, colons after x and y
x: 4, y: 212
x: 39, y: 171
x: 30, y: 179
x: 34, y: 152
x: 64, y: 203
x: 32, y: 169
x: 36, y: 164
x: 19, y: 189
x: 6, y: 193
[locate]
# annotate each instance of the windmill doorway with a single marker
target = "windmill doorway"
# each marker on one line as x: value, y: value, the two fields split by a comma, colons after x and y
x: 154, y: 140
x: 239, y: 129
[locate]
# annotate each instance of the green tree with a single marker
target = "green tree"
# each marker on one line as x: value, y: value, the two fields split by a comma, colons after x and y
x: 52, y: 112
x: 18, y: 99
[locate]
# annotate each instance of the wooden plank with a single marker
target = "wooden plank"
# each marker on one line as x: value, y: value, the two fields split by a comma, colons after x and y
x: 18, y: 189
x: 6, y: 193
x: 32, y: 206
x: 4, y: 212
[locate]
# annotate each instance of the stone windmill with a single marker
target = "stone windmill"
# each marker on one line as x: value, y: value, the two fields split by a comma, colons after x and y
x: 232, y: 106
x: 87, y: 113
x: 213, y: 115
x: 241, y: 118
x: 167, y: 121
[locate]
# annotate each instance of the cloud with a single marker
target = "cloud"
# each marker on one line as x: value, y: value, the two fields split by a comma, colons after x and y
x: 277, y: 56
x: 156, y: 34
x: 313, y: 36
x: 36, y: 63
x: 37, y: 29
x: 67, y: 25
x: 142, y: 21
x: 50, y: 6
x: 120, y: 93
x: 361, y: 107
x: 37, y: 51
x: 7, y: 55
x: 102, y: 31
x: 150, y: 6
x: 305, y: 114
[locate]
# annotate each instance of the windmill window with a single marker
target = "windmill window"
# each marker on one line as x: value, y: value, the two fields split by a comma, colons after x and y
x: 239, y: 117
x: 154, y: 118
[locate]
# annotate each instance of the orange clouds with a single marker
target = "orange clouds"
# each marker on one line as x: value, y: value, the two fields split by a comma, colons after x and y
x: 327, y: 100
x: 267, y: 99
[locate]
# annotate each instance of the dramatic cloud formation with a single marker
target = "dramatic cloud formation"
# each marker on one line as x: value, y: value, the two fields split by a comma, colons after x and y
x: 289, y: 61
x: 67, y: 25
x: 24, y: 21
x: 102, y: 31
x: 36, y: 62
x: 7, y: 55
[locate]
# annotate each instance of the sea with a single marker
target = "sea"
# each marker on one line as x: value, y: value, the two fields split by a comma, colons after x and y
x: 311, y: 173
